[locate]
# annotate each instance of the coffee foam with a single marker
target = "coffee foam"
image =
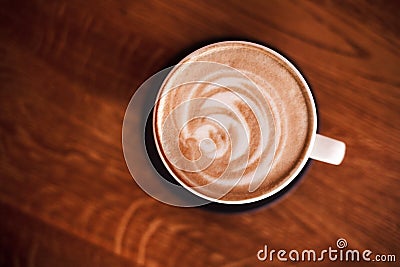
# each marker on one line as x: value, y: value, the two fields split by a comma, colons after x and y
x: 232, y: 121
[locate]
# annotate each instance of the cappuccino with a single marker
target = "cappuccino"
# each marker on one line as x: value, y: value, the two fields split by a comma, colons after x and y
x: 233, y: 121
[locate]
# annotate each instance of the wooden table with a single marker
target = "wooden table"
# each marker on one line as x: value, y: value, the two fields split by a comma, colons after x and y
x: 67, y: 72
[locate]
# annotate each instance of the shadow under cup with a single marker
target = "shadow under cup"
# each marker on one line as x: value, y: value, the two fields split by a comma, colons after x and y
x: 146, y: 141
x: 214, y: 94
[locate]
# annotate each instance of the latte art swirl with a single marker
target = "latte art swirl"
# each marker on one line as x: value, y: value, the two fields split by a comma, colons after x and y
x: 233, y: 122
x: 217, y: 129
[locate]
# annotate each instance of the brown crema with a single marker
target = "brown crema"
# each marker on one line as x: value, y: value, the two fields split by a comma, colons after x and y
x: 233, y: 121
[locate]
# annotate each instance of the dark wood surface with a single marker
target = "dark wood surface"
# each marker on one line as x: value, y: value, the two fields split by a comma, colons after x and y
x: 67, y: 72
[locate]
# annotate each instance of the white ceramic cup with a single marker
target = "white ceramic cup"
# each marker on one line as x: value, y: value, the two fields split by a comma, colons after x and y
x: 320, y: 148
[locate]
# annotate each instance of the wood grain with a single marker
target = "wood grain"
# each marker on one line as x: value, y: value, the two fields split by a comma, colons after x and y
x: 67, y: 72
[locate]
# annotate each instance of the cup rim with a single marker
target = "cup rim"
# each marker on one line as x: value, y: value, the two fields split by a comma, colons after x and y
x: 305, y: 158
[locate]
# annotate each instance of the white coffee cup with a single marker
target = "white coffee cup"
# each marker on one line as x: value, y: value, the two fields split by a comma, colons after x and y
x: 319, y: 147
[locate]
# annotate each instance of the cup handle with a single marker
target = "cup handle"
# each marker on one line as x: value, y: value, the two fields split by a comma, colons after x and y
x: 328, y: 150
